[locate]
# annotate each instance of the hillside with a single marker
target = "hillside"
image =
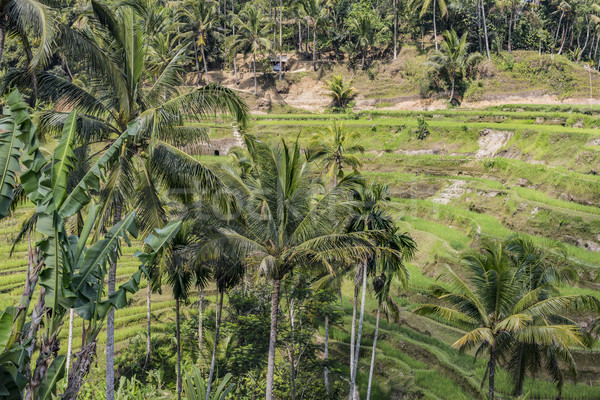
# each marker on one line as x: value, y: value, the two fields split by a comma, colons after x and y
x: 521, y: 77
x: 499, y: 171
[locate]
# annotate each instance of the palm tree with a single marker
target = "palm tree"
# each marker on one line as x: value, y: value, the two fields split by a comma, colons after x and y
x: 180, y: 274
x: 453, y: 57
x: 116, y: 55
x: 335, y: 150
x: 227, y: 274
x: 315, y: 12
x: 340, y: 92
x: 441, y: 6
x: 282, y: 224
x: 252, y: 36
x: 497, y: 308
x: 201, y: 15
x: 390, y: 268
x: 30, y: 21
x: 368, y: 215
x: 364, y: 29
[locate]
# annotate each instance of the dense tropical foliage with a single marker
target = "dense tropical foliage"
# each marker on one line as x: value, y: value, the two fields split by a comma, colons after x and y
x: 105, y: 107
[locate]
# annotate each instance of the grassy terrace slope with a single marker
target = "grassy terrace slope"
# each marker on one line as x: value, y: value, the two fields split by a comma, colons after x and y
x: 532, y: 170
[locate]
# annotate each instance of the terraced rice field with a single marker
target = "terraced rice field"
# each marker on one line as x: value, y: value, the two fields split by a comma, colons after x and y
x: 531, y: 170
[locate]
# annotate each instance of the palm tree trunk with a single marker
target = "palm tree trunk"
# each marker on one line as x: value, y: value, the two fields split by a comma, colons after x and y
x: 452, y: 91
x: 485, y: 32
x: 148, y: 324
x: 70, y: 343
x: 362, y: 65
x: 564, y: 38
x: 200, y: 318
x: 280, y: 38
x: 197, y: 63
x: 254, y: 68
x: 587, y: 38
x: 492, y: 371
x: 272, y: 339
x: 3, y: 20
x: 178, y: 340
x: 434, y: 27
x: 558, y: 27
x: 291, y: 352
x: 358, y: 334
x: 315, y: 46
x: 205, y: 65
x: 299, y: 36
x: 353, y: 332
x: 110, y: 319
x: 374, y: 349
x: 395, y: 29
x: 326, y: 355
x: 215, y: 345
x: 237, y: 81
x: 510, y: 23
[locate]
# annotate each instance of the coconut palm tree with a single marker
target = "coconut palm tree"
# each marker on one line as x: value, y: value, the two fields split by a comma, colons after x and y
x: 368, y: 215
x: 116, y: 54
x: 283, y: 224
x: 227, y: 273
x: 340, y: 92
x: 390, y: 268
x: 441, y: 7
x: 453, y: 58
x: 335, y: 150
x: 315, y: 12
x: 496, y: 308
x: 252, y: 36
x: 201, y: 16
x: 366, y: 34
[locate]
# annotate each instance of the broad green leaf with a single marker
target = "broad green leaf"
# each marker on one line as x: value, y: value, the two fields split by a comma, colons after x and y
x: 6, y: 326
x: 158, y: 241
x: 80, y: 195
x: 62, y: 160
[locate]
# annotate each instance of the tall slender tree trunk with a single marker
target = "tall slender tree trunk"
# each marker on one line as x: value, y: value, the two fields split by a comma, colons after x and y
x: 597, y: 43
x: 485, y: 31
x: 358, y: 335
x: 326, y: 355
x: 564, y: 38
x: 492, y: 371
x: 291, y: 352
x: 299, y: 36
x: 178, y: 340
x: 254, y: 68
x: 110, y: 319
x: 374, y: 349
x: 200, y: 321
x: 197, y: 62
x: 395, y: 29
x: 70, y: 343
x: 237, y: 81
x: 452, y: 91
x: 510, y: 24
x: 558, y: 27
x: 434, y: 27
x: 205, y: 64
x: 148, y: 324
x: 213, y: 360
x: 587, y: 38
x: 3, y: 20
x: 280, y: 38
x: 353, y: 332
x: 315, y: 46
x: 272, y: 339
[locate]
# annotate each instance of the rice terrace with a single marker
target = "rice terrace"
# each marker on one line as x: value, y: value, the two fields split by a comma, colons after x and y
x: 300, y: 199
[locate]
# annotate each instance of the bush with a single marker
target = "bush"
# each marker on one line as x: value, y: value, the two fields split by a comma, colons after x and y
x: 422, y: 128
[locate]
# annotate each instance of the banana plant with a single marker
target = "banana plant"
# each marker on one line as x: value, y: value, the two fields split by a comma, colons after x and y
x: 70, y: 273
x: 195, y: 387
